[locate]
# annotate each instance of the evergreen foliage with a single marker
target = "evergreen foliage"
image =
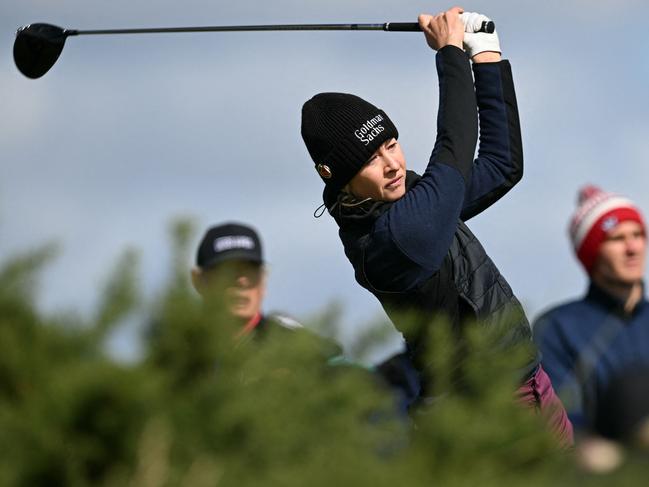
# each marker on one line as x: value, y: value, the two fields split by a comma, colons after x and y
x: 201, y: 408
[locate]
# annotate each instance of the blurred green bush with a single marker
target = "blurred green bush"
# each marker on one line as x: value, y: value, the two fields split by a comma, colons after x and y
x: 200, y: 408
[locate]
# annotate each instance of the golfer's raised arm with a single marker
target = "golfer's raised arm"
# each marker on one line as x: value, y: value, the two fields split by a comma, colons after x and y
x: 423, y: 221
x: 457, y: 120
x: 499, y: 165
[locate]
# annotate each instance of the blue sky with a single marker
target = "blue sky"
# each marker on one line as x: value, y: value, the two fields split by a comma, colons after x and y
x: 127, y: 132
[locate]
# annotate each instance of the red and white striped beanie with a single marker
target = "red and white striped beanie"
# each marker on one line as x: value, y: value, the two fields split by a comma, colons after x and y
x: 597, y: 214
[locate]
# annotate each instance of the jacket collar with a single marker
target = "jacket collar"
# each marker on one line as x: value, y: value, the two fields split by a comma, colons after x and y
x: 363, y: 214
x: 253, y: 323
x: 612, y: 303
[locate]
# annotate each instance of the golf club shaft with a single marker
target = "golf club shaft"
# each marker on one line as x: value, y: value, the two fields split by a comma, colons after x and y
x: 387, y: 26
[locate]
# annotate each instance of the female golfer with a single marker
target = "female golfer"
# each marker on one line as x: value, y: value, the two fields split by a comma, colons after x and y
x: 405, y: 234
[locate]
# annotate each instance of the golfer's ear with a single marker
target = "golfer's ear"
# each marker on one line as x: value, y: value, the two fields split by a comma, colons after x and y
x: 197, y: 280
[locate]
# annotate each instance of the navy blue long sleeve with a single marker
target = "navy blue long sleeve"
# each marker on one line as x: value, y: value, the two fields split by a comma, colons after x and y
x: 409, y: 242
x: 420, y: 225
x: 499, y: 165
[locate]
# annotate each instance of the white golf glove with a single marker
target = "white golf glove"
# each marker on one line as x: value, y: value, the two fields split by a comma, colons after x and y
x: 476, y: 42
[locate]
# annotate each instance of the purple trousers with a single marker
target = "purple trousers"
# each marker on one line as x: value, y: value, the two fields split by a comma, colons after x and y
x: 537, y: 392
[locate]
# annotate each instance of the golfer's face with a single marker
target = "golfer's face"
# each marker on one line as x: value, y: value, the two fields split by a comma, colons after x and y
x: 383, y: 177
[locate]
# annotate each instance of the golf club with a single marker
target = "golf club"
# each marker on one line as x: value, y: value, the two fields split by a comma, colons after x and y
x: 38, y: 46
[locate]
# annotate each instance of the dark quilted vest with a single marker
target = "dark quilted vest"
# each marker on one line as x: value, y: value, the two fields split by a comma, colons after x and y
x: 468, y: 287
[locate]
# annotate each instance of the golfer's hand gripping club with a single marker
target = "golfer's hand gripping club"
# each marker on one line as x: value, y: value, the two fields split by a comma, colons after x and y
x: 487, y: 26
x: 476, y: 39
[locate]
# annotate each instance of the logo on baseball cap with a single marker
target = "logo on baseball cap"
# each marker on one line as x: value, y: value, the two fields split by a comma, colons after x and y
x: 229, y: 241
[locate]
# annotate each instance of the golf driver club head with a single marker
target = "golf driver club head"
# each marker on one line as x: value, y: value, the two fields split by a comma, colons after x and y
x: 37, y: 47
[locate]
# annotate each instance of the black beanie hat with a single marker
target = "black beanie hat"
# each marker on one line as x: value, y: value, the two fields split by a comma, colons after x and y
x: 341, y: 132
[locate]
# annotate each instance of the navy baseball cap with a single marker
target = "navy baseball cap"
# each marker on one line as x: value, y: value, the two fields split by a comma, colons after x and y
x: 229, y: 241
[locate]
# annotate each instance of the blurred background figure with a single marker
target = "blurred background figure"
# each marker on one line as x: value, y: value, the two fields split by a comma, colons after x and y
x: 230, y: 271
x: 623, y: 408
x: 587, y: 342
x: 621, y: 422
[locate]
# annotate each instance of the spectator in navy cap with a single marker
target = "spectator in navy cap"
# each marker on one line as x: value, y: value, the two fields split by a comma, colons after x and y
x: 230, y: 268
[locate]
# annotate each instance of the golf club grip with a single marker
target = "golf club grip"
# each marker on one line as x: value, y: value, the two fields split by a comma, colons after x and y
x: 487, y: 26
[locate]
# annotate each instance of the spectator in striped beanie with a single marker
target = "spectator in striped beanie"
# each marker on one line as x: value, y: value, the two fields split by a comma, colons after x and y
x: 587, y: 342
x: 597, y: 215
